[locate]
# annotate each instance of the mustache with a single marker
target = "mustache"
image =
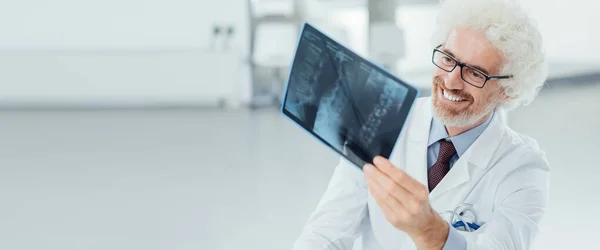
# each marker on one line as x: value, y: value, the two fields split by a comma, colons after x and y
x: 438, y: 81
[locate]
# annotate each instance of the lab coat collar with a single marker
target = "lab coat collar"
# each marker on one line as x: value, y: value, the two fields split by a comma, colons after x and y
x: 461, y: 142
x: 472, y: 165
x: 483, y: 146
x: 479, y: 154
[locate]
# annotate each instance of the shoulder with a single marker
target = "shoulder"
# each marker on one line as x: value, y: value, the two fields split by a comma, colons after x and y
x: 521, y: 164
x: 520, y: 167
x: 525, y: 150
x: 422, y: 103
x: 420, y: 112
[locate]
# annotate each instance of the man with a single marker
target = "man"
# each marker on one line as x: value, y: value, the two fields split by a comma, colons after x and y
x: 456, y: 162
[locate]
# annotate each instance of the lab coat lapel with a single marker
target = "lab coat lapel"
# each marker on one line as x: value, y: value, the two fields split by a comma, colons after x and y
x: 459, y: 174
x: 474, y: 162
x: 416, y: 162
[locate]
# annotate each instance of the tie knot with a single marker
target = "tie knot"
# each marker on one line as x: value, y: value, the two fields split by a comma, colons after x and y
x: 447, y: 151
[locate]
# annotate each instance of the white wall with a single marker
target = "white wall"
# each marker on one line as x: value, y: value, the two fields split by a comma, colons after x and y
x: 116, y: 52
x: 570, y: 28
x: 95, y: 24
x: 116, y: 78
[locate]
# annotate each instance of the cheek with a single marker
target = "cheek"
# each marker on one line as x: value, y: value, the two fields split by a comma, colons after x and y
x: 484, y: 98
x: 439, y: 73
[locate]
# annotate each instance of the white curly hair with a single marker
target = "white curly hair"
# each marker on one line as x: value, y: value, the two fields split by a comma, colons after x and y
x: 510, y: 30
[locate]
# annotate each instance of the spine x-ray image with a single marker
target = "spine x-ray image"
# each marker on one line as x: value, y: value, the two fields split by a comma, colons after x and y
x: 343, y: 100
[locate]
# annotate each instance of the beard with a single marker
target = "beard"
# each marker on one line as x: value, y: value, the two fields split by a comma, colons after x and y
x: 474, y: 112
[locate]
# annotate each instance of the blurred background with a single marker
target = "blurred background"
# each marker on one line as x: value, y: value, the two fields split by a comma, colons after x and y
x: 154, y: 124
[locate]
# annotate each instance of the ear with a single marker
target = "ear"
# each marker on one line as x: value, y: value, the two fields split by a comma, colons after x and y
x: 503, y: 95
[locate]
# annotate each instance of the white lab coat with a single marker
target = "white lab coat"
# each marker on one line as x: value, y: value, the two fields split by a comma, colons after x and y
x: 503, y: 174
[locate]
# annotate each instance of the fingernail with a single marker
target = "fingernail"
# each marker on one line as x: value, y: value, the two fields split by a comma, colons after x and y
x: 368, y: 168
x: 377, y: 160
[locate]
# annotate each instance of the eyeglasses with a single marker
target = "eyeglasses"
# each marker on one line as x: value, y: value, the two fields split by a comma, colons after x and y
x: 469, y: 74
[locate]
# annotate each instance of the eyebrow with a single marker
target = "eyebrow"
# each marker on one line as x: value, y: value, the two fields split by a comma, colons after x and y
x: 474, y: 66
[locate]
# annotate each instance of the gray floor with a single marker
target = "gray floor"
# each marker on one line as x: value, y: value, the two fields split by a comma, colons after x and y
x: 207, y: 179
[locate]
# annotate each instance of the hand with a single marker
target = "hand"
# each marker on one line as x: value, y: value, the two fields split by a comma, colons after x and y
x: 405, y: 203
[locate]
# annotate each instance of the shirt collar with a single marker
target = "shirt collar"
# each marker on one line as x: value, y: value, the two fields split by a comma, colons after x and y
x: 461, y: 142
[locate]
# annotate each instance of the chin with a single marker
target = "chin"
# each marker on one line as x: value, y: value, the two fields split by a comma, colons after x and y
x: 455, y: 120
x: 458, y: 118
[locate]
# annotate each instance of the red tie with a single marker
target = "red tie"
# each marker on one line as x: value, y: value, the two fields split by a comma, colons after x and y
x: 441, y: 167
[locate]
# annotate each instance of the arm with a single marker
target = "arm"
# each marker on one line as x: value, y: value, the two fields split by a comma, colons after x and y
x: 336, y: 221
x: 520, y: 203
x: 521, y: 199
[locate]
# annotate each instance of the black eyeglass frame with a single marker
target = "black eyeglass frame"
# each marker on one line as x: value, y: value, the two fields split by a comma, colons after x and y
x: 458, y: 63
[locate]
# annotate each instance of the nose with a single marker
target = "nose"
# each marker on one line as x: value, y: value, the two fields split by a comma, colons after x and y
x: 454, y: 80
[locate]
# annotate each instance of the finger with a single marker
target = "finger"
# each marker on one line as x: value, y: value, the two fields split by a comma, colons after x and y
x: 392, y: 209
x: 380, y: 197
x: 401, y: 178
x: 398, y: 192
x: 371, y: 172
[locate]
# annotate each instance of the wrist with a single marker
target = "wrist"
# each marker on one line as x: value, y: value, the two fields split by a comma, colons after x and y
x: 433, y: 237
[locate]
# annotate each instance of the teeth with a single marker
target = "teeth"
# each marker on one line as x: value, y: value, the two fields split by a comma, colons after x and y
x: 451, y: 97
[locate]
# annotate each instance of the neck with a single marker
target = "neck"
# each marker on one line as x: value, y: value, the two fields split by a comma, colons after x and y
x: 454, y: 131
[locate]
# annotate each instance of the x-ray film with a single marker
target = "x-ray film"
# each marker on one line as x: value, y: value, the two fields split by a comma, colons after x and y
x: 347, y: 102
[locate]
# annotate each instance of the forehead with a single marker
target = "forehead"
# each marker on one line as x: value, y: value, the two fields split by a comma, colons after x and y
x: 473, y: 48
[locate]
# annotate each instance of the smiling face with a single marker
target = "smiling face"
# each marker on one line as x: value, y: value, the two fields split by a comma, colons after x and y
x: 456, y: 103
